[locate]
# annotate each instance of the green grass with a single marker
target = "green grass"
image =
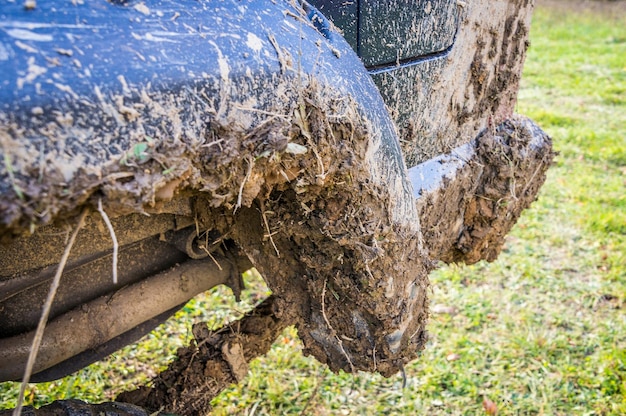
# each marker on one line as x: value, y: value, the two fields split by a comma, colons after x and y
x: 542, y: 330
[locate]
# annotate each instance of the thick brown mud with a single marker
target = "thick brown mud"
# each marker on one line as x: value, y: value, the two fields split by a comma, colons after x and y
x: 212, y: 362
x: 467, y: 219
x: 351, y: 278
x: 301, y: 191
x: 298, y: 187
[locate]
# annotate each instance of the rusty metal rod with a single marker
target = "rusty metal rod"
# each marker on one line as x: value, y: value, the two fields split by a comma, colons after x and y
x: 109, y: 316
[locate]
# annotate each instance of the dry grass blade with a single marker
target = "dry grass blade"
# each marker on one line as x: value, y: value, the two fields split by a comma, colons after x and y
x: 332, y: 330
x: 43, y: 320
x: 243, y: 184
x: 106, y: 220
x: 269, y: 232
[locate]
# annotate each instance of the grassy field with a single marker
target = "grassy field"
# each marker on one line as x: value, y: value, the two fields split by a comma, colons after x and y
x: 540, y: 331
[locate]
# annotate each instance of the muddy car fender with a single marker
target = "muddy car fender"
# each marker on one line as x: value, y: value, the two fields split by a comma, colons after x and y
x: 283, y: 130
x: 243, y: 134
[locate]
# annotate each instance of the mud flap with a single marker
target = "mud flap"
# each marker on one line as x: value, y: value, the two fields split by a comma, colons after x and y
x: 468, y: 200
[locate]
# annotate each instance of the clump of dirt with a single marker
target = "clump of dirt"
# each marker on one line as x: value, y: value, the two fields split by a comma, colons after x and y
x: 503, y: 177
x: 212, y: 362
x: 513, y: 171
x: 331, y: 250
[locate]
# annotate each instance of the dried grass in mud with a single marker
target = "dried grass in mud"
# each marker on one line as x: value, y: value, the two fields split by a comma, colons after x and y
x: 322, y: 246
x: 295, y: 185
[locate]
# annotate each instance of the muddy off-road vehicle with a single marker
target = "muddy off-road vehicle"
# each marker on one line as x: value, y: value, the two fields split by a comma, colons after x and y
x: 153, y: 150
